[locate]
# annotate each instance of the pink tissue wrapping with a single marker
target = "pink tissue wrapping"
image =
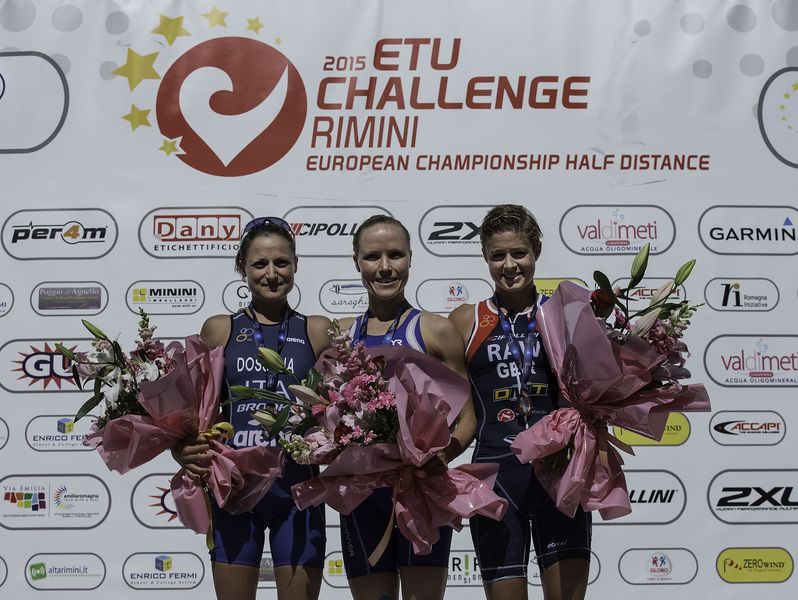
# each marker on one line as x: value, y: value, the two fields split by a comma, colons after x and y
x: 181, y: 404
x: 602, y: 382
x: 429, y: 396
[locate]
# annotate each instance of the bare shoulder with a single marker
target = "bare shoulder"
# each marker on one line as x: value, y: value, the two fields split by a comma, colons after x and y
x: 345, y: 323
x: 319, y: 328
x: 435, y: 325
x: 216, y: 330
x: 463, y: 318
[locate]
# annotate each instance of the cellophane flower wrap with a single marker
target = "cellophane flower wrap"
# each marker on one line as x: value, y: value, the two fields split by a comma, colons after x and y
x: 159, y: 397
x: 626, y: 375
x: 380, y: 414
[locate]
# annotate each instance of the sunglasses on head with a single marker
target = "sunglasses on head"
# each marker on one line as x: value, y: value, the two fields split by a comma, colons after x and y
x: 258, y: 221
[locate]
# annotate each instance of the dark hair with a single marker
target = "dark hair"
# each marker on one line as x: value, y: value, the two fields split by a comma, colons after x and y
x: 264, y: 229
x: 377, y: 220
x: 511, y: 217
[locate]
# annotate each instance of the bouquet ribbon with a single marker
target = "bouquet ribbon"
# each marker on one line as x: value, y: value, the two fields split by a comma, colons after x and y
x: 604, y: 383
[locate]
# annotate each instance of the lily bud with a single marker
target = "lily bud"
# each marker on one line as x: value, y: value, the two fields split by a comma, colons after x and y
x: 264, y: 417
x: 665, y: 290
x: 644, y: 323
x: 271, y: 360
x: 305, y: 394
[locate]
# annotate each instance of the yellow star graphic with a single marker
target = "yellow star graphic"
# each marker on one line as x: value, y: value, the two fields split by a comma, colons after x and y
x: 138, y: 68
x: 781, y: 107
x: 171, y: 29
x: 786, y: 96
x: 137, y: 117
x: 784, y: 118
x: 216, y: 17
x: 255, y: 25
x: 171, y: 146
x: 795, y: 87
x: 278, y: 41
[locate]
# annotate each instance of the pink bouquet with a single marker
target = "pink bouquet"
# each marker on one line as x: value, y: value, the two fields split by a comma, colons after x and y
x: 623, y: 372
x: 155, y: 398
x: 376, y: 417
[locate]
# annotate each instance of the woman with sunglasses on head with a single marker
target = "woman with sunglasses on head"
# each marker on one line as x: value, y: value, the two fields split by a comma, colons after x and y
x: 267, y: 261
x: 513, y: 386
x: 382, y: 257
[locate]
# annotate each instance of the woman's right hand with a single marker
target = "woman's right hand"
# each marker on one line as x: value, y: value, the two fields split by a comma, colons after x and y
x: 193, y: 455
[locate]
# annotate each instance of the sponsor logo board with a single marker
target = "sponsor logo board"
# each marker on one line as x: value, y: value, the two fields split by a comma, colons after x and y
x: 165, y: 297
x: 452, y: 230
x: 59, y: 298
x: 152, y: 502
x: 748, y: 496
x: 29, y: 366
x: 236, y: 295
x: 59, y: 234
x: 549, y: 285
x: 65, y: 571
x: 3, y: 434
x: 642, y: 294
x: 756, y: 229
x: 53, y: 501
x: 328, y: 230
x: 35, y: 98
x: 751, y: 294
x: 334, y: 573
x: 193, y: 232
x: 776, y: 128
x: 658, y: 566
x: 444, y: 295
x: 266, y: 577
x: 58, y: 433
x: 677, y: 431
x: 6, y: 299
x: 753, y: 360
x: 747, y: 428
x: 343, y: 296
x: 656, y: 497
x: 163, y: 570
x: 616, y: 229
x: 754, y: 565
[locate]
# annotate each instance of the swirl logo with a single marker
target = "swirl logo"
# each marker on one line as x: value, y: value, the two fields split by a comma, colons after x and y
x: 237, y: 105
x: 778, y: 115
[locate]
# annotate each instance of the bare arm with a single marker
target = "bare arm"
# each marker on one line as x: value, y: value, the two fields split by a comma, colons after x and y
x: 319, y: 333
x: 445, y: 343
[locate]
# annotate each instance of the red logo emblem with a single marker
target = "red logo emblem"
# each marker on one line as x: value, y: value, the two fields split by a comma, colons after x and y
x: 237, y: 104
x: 505, y: 415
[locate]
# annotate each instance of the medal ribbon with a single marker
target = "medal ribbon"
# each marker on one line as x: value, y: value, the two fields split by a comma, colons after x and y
x: 361, y: 330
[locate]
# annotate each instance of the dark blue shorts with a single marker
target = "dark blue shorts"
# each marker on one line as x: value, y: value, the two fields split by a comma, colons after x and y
x: 502, y: 547
x: 362, y: 530
x: 296, y: 537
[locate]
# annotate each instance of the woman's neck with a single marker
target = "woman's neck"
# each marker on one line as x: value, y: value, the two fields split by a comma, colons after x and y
x: 272, y: 312
x: 385, y: 310
x: 517, y: 302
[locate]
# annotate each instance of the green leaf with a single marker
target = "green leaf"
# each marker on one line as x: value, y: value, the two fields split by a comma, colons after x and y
x: 313, y: 379
x: 89, y: 405
x: 119, y: 356
x: 243, y: 392
x: 76, y: 377
x: 282, y: 421
x: 94, y: 330
x: 684, y: 272
x: 604, y: 284
x: 639, y: 265
x: 98, y: 383
x: 66, y: 351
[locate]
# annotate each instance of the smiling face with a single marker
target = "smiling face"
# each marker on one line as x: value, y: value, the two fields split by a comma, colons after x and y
x: 511, y: 261
x: 383, y: 260
x: 269, y: 268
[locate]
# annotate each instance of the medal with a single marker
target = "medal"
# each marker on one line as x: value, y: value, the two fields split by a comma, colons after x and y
x: 282, y: 336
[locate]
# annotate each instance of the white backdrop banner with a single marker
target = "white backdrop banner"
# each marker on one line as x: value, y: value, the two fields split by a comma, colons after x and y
x: 137, y: 138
